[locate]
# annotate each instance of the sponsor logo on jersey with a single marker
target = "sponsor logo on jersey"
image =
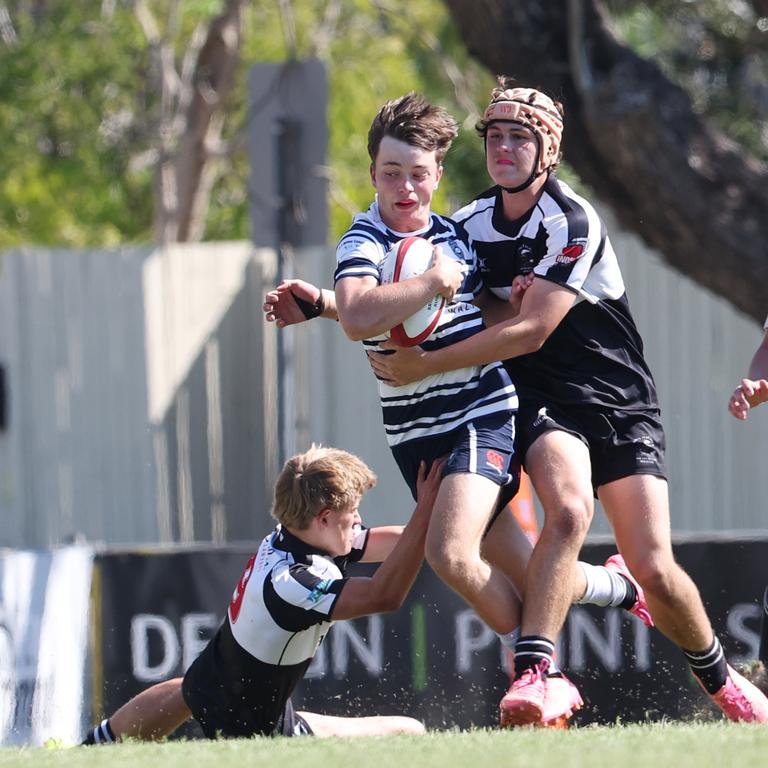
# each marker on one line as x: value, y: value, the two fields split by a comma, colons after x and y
x: 571, y: 252
x: 358, y: 246
x: 645, y: 450
x: 456, y: 248
x: 320, y: 590
x: 526, y: 261
x: 541, y: 417
x: 495, y: 459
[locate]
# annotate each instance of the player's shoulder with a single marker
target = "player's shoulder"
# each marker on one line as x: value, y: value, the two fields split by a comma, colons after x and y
x: 366, y: 239
x: 480, y: 205
x: 559, y: 198
x: 304, y: 574
x: 447, y: 229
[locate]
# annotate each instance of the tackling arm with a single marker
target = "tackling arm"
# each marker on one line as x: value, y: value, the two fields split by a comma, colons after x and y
x: 387, y: 588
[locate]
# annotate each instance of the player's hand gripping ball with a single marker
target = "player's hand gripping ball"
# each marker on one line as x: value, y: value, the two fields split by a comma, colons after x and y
x: 407, y: 258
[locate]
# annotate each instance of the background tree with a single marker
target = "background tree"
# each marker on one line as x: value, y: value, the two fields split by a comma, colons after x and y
x: 125, y: 121
x: 637, y: 138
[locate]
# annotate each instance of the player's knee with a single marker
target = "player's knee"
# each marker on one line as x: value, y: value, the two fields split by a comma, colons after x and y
x: 570, y: 522
x: 657, y: 576
x: 446, y: 561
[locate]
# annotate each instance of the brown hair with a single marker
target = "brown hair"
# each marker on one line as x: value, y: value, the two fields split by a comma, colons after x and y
x: 318, y: 479
x: 412, y: 119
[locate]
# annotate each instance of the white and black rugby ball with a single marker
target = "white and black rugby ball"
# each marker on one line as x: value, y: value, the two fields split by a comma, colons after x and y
x: 407, y: 258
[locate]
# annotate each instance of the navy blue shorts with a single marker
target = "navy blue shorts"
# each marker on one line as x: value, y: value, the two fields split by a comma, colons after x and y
x: 482, y: 447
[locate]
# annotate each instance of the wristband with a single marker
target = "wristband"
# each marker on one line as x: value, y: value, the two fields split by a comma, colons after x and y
x: 308, y: 309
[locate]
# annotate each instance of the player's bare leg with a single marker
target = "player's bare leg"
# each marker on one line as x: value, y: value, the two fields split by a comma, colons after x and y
x: 152, y: 714
x: 559, y: 466
x: 326, y: 726
x: 638, y: 509
x: 461, y: 513
x: 508, y: 549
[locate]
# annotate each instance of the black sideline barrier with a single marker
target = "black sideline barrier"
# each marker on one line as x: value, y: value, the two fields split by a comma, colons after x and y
x: 433, y: 659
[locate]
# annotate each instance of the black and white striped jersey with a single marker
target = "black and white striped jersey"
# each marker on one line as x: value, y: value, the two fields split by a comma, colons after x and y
x: 280, y: 611
x: 439, y: 403
x: 595, y: 355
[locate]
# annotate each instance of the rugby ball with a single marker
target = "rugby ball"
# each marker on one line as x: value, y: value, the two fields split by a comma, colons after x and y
x: 407, y: 258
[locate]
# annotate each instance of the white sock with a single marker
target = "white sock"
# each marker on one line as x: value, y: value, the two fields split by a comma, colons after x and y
x: 604, y: 586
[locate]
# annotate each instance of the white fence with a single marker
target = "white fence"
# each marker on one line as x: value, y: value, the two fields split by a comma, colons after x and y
x: 143, y: 400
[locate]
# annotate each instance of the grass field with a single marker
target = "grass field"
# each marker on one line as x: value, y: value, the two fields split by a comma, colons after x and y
x: 634, y: 746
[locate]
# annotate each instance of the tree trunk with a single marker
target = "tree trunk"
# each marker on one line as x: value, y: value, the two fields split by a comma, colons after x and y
x: 634, y: 139
x: 191, y: 121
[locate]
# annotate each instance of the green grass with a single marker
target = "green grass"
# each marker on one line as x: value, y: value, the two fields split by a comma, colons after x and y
x: 675, y: 745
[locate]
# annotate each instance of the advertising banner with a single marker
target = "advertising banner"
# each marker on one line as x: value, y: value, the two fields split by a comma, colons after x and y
x: 434, y: 659
x: 43, y: 642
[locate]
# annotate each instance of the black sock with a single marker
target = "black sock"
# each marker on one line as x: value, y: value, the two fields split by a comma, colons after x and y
x: 530, y: 651
x: 101, y: 734
x: 763, y: 652
x: 709, y: 666
x: 631, y: 598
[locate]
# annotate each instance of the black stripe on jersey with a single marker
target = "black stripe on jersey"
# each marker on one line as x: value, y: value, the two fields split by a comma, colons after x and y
x: 291, y: 617
x: 356, y: 268
x: 396, y: 420
x: 436, y: 389
x: 489, y: 198
x: 365, y: 230
x: 460, y: 327
x: 578, y: 229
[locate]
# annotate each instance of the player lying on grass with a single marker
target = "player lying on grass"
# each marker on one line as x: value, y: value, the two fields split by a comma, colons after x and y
x: 468, y: 413
x: 292, y: 590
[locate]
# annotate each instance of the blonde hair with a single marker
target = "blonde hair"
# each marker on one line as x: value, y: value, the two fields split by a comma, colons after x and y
x: 318, y: 479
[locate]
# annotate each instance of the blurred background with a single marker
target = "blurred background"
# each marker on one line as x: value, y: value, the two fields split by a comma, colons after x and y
x: 165, y: 163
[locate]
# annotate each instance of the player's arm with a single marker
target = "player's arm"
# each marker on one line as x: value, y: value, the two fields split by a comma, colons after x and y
x: 387, y: 588
x: 753, y: 390
x: 543, y: 307
x: 367, y: 309
x: 296, y: 301
x: 496, y: 310
x: 381, y: 542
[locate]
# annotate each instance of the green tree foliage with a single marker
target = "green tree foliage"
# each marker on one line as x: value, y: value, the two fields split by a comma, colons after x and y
x: 716, y: 50
x: 79, y: 100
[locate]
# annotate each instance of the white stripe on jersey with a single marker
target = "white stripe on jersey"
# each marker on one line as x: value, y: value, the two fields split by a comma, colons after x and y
x: 591, y: 281
x: 443, y: 402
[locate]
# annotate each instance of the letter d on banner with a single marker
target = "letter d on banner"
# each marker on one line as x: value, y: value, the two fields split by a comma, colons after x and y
x: 141, y: 625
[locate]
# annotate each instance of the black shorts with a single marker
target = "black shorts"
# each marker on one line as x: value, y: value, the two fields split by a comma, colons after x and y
x: 620, y: 443
x: 216, y: 724
x: 223, y: 711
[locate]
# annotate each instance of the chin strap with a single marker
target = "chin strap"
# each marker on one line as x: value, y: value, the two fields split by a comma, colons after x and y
x: 534, y: 173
